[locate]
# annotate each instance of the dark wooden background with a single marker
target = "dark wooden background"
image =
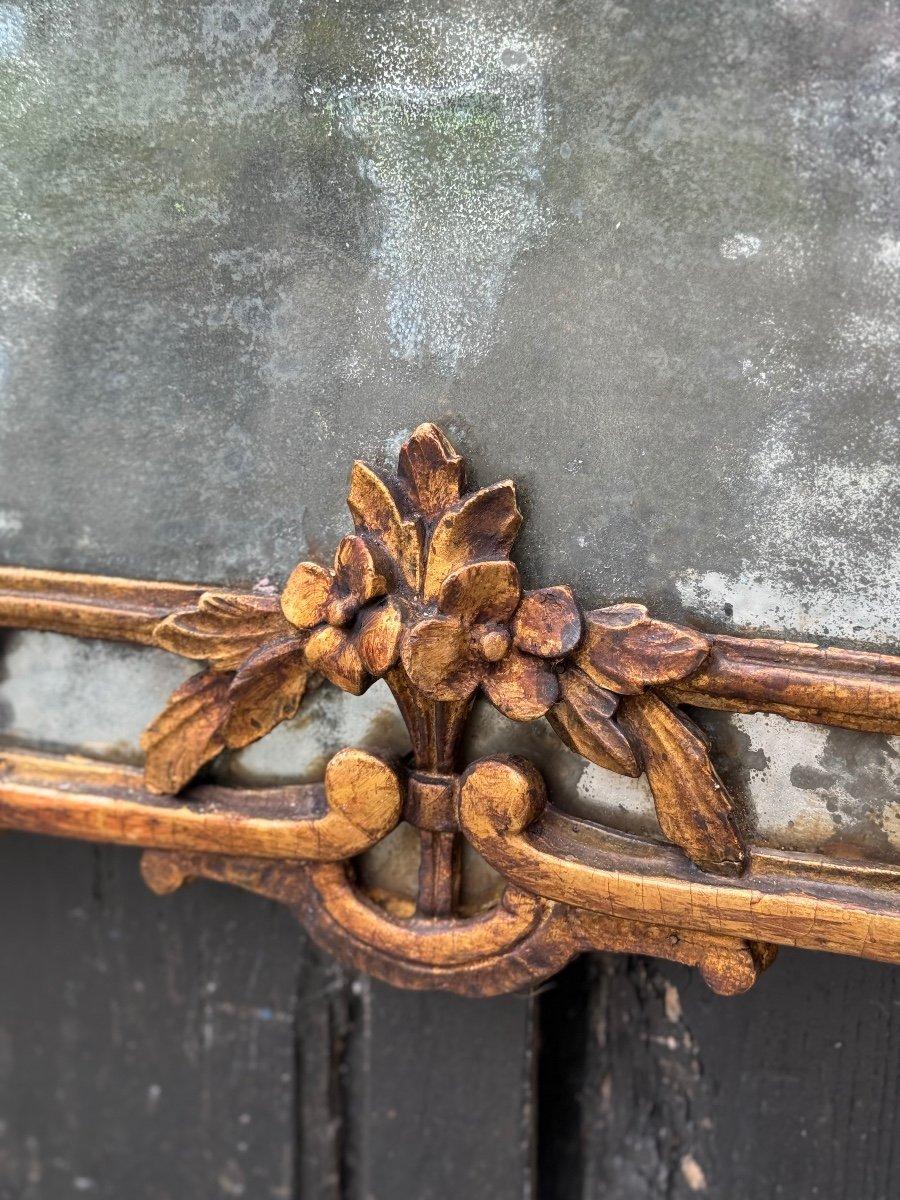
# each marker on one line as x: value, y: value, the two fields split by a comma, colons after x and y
x: 198, y: 1047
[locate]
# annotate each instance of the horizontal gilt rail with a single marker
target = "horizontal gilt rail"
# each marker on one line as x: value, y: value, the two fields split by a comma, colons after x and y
x: 849, y: 688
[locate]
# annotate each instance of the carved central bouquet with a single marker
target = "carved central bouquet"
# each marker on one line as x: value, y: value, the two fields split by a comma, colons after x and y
x: 424, y: 595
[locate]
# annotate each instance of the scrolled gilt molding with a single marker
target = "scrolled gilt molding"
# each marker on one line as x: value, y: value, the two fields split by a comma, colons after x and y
x: 424, y: 594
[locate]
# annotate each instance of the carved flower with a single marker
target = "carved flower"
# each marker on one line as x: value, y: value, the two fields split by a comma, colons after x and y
x: 487, y: 633
x: 351, y: 640
x: 428, y: 573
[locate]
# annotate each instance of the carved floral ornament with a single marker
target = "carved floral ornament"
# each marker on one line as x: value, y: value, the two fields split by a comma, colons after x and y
x: 424, y: 595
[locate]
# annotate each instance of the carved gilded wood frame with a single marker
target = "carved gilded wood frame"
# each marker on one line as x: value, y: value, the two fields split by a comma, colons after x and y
x: 424, y: 595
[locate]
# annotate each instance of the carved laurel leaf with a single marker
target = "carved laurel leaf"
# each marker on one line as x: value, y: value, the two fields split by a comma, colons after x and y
x: 223, y: 629
x: 187, y: 733
x: 625, y: 650
x: 583, y: 719
x: 694, y: 809
x: 266, y: 691
x: 432, y: 470
x: 376, y: 510
x: 483, y: 526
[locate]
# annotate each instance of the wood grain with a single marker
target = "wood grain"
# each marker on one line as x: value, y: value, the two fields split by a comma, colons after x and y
x: 791, y: 900
x: 92, y: 606
x: 66, y: 796
x: 853, y: 689
x: 521, y: 941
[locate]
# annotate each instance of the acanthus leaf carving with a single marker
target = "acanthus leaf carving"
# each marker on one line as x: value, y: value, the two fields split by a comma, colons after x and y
x: 377, y: 509
x: 432, y: 471
x: 584, y: 719
x: 266, y: 690
x: 223, y: 629
x: 187, y: 733
x: 483, y: 525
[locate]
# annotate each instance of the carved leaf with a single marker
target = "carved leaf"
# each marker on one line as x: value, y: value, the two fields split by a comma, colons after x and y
x: 187, y: 733
x: 625, y: 650
x: 432, y: 470
x: 583, y: 719
x: 522, y: 687
x: 483, y: 526
x: 354, y: 568
x: 266, y: 691
x: 376, y: 510
x: 548, y: 622
x: 694, y: 809
x: 224, y: 628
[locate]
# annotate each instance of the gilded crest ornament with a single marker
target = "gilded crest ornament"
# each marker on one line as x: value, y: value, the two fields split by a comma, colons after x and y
x: 424, y: 594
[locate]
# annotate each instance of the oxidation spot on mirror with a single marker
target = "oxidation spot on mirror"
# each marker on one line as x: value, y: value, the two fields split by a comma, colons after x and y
x: 811, y: 788
x: 389, y: 871
x: 328, y: 721
x: 91, y: 697
x: 446, y: 115
x: 574, y: 785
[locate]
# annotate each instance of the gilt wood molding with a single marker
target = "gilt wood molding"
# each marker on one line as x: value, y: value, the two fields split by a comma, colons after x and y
x: 424, y: 594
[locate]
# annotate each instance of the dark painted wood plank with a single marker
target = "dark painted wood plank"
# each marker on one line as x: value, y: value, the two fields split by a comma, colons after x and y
x: 440, y: 1092
x: 324, y: 1015
x: 147, y: 1045
x: 654, y: 1088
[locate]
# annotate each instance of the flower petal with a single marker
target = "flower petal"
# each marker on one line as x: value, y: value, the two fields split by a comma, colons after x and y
x: 440, y: 660
x: 266, y: 691
x: 377, y: 509
x: 548, y: 622
x: 378, y: 638
x: 331, y: 652
x: 480, y: 592
x: 306, y: 594
x: 223, y: 628
x: 521, y: 686
x: 187, y: 733
x: 355, y: 571
x: 626, y: 650
x: 483, y: 526
x: 583, y: 719
x: 432, y: 470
